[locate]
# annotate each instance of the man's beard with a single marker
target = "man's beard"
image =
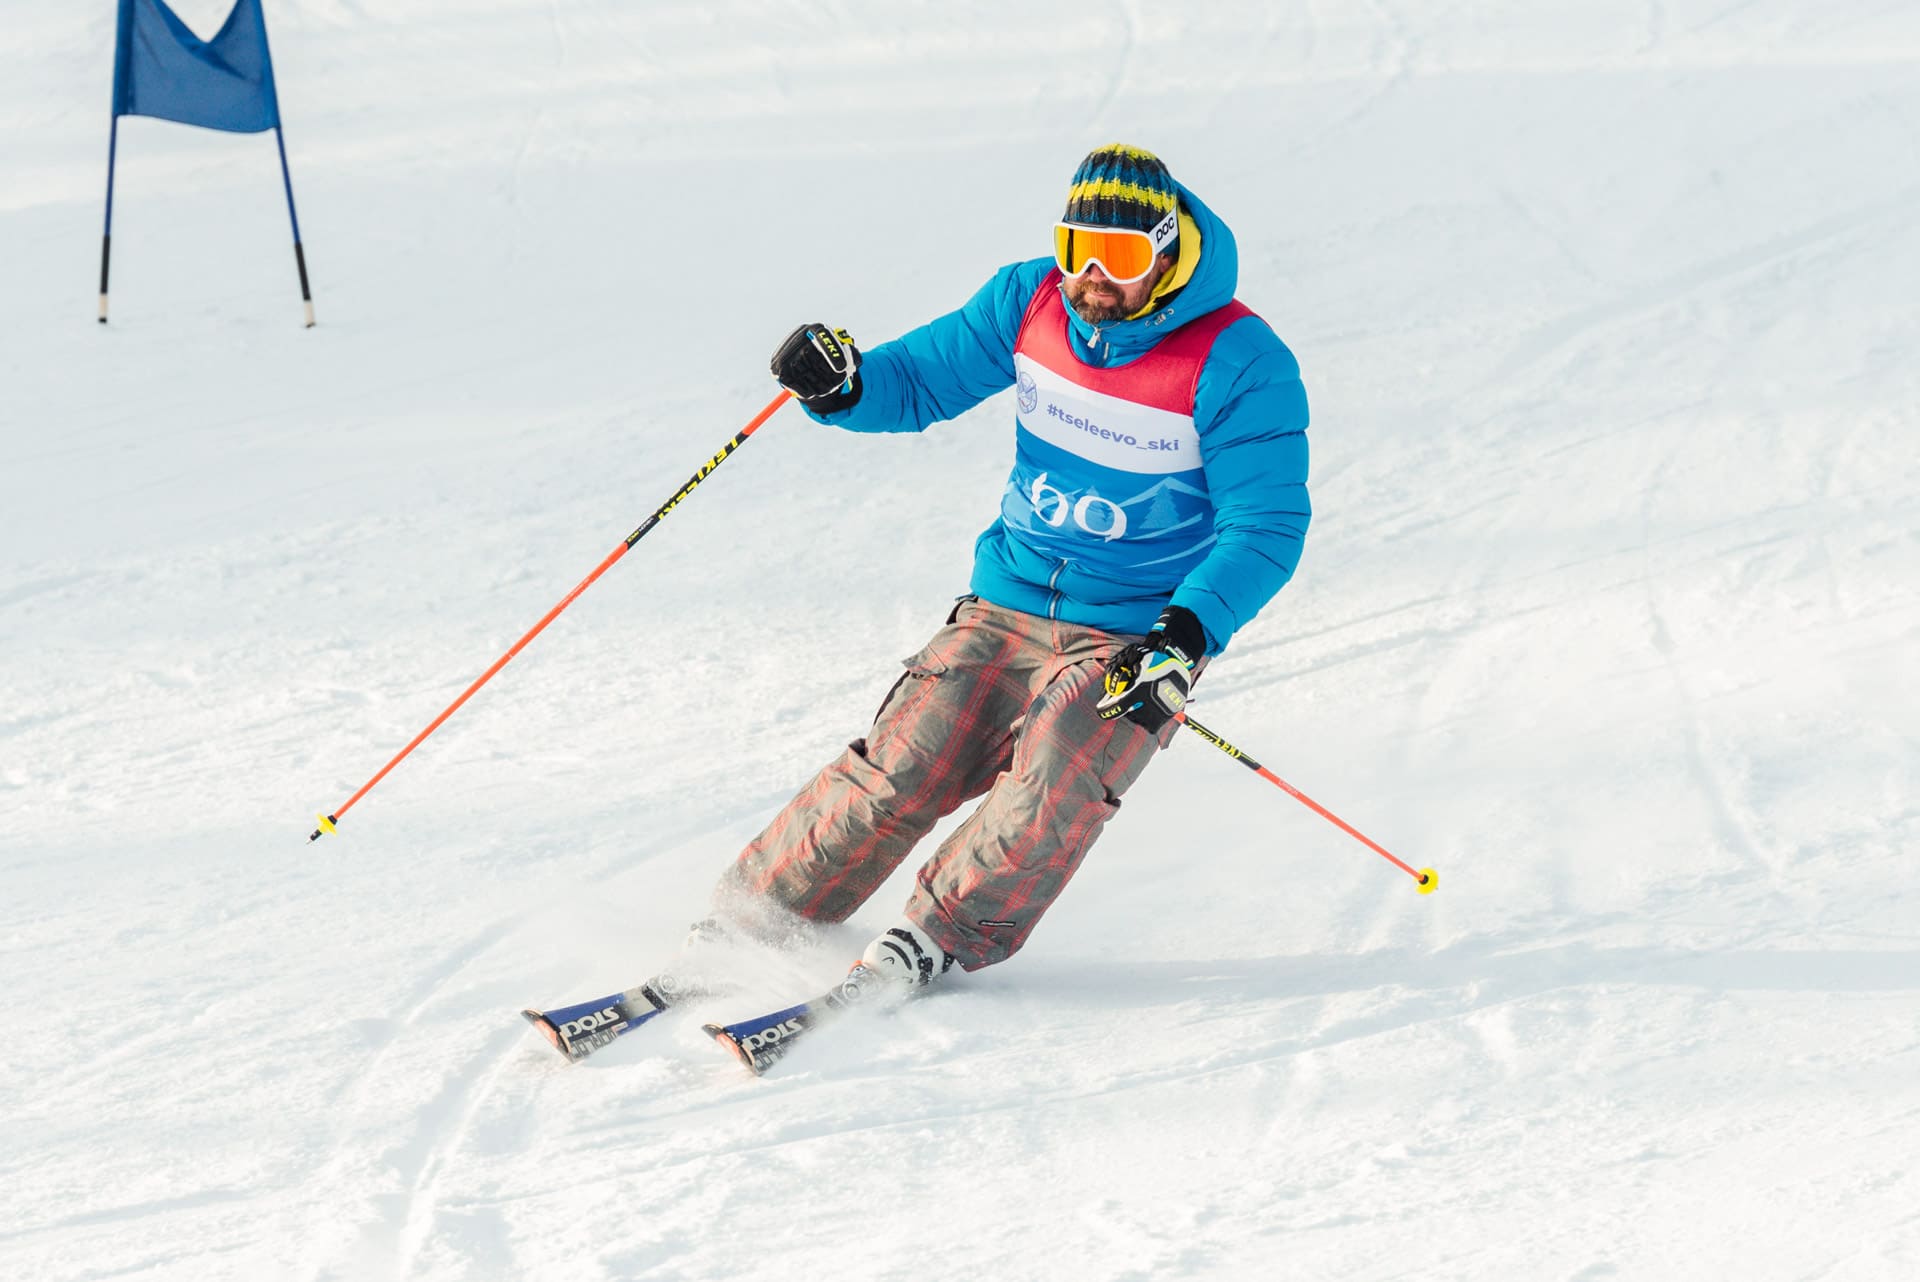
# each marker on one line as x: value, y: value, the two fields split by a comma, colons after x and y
x: 1096, y: 304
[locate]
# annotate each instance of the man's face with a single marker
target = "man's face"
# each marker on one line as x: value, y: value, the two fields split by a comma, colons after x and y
x: 1098, y: 301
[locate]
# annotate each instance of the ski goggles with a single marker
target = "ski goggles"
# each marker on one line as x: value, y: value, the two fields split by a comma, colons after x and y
x: 1125, y: 255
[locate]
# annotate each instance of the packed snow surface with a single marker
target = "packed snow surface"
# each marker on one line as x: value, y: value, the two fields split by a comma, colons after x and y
x: 1610, y: 612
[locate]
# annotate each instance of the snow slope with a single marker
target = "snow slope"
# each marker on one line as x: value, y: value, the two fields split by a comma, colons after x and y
x: 1609, y: 612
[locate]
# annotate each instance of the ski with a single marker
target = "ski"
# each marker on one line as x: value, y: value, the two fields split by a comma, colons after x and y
x: 760, y: 1043
x: 579, y: 1031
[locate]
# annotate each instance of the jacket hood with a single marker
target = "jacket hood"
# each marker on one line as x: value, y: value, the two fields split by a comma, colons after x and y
x: 1212, y: 286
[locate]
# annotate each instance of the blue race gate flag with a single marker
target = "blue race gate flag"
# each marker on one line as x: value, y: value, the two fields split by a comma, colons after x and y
x: 160, y: 68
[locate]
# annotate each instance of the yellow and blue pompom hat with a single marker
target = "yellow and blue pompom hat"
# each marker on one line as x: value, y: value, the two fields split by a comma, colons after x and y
x: 1121, y: 186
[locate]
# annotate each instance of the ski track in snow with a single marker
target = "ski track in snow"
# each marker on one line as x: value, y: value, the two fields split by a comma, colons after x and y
x: 1608, y: 612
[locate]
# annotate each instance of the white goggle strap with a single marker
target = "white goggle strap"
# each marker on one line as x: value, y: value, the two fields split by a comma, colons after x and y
x: 1165, y: 231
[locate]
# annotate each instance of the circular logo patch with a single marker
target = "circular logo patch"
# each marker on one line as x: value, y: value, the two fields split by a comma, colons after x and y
x: 1028, y: 393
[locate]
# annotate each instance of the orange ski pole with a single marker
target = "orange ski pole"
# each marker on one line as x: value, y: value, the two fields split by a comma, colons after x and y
x: 1425, y: 879
x: 327, y: 821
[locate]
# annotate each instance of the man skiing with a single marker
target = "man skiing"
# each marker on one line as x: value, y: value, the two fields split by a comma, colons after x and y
x: 1157, y: 501
x: 1158, y: 488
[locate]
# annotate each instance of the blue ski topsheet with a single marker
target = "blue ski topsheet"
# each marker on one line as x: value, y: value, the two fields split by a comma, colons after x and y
x: 753, y: 1027
x: 578, y: 1031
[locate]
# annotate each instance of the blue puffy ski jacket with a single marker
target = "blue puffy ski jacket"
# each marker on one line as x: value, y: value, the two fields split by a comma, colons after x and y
x: 1248, y: 518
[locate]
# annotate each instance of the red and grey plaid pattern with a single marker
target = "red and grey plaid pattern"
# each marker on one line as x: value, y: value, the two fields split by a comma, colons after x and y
x: 999, y: 703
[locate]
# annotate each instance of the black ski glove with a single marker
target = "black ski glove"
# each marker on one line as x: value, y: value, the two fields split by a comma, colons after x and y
x: 821, y: 366
x: 1147, y: 682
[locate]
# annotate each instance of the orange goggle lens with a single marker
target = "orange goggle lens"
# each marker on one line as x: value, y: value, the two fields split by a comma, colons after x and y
x: 1124, y: 255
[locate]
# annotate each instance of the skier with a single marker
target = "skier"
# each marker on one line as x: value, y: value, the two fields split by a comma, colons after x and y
x: 1157, y: 501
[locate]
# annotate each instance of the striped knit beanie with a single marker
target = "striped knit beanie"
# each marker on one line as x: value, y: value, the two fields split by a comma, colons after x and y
x: 1121, y: 186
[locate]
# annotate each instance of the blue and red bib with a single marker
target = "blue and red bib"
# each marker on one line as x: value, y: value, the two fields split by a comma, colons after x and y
x: 1106, y: 456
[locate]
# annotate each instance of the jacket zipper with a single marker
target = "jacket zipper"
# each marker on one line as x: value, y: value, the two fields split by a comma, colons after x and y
x: 1053, y: 602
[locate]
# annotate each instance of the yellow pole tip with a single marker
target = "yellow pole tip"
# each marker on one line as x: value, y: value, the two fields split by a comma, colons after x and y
x: 1429, y: 881
x: 326, y: 824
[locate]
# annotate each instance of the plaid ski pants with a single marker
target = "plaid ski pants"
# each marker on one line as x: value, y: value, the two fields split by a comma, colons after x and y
x: 999, y: 703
